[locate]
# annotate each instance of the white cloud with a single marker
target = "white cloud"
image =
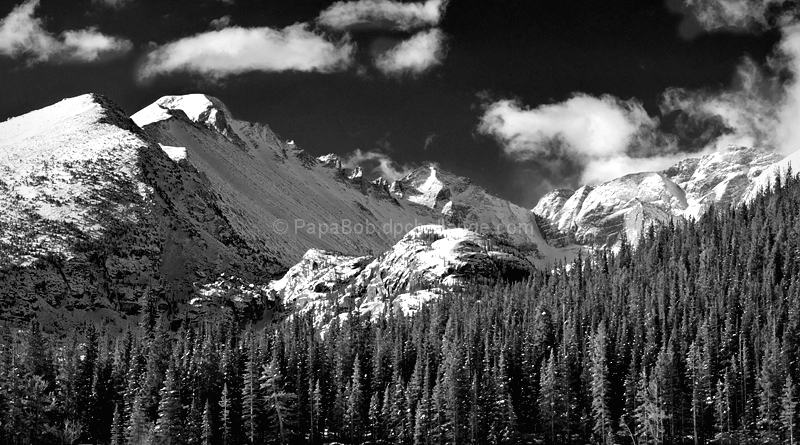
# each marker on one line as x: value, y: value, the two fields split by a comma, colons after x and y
x: 88, y: 44
x: 383, y: 13
x: 759, y: 110
x: 589, y: 126
x: 237, y: 50
x: 376, y: 163
x: 22, y: 35
x: 599, y: 134
x: 416, y: 55
x: 222, y: 22
x: 603, y: 169
x: 748, y: 110
x: 788, y: 134
x: 747, y: 15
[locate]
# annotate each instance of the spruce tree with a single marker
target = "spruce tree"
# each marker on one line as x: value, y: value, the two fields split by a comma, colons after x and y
x: 207, y: 434
x: 600, y: 388
x: 169, y: 426
x: 225, y: 417
x: 789, y: 411
x: 281, y: 407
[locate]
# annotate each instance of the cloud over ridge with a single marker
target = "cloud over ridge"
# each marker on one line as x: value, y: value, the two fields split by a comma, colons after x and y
x: 606, y: 136
x: 377, y: 163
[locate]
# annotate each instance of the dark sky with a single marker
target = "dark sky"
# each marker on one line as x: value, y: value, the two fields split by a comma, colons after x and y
x: 535, y: 51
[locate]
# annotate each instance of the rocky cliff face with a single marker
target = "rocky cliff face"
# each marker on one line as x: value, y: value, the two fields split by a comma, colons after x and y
x: 424, y: 264
x: 600, y: 215
x: 458, y: 202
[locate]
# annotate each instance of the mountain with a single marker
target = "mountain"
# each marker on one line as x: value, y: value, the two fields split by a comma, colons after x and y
x: 108, y: 212
x: 600, y: 214
x: 99, y: 219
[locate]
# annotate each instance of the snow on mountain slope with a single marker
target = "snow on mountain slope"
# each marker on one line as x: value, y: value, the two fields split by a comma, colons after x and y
x: 288, y: 202
x: 599, y: 215
x: 276, y: 196
x: 458, y: 202
x: 97, y: 217
x: 721, y: 178
x: 426, y: 262
x: 769, y: 176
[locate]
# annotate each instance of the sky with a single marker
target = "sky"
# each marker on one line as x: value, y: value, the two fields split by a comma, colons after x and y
x: 522, y: 96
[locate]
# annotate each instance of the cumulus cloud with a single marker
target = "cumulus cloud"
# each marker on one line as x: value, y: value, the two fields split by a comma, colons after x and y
x: 416, y: 55
x: 237, y: 50
x: 222, y: 22
x: 607, y: 137
x: 22, y: 35
x: 743, y: 15
x: 376, y: 163
x: 589, y: 126
x: 759, y: 110
x: 747, y: 110
x: 383, y: 14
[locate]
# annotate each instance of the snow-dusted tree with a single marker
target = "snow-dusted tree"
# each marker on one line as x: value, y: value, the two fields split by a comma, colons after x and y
x: 789, y: 411
x: 600, y: 388
x: 169, y: 426
x: 280, y: 406
x: 225, y: 416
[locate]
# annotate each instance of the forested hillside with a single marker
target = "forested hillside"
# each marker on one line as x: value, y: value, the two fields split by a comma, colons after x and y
x: 689, y: 337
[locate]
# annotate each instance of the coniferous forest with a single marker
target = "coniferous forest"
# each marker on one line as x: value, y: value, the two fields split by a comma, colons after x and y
x: 690, y: 336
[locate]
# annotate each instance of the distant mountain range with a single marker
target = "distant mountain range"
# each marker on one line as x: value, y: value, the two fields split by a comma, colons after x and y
x: 104, y: 213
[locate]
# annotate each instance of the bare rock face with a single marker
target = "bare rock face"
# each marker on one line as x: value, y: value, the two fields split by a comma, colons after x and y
x: 602, y: 214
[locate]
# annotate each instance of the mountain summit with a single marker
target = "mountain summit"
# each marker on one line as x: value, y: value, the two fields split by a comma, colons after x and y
x: 601, y: 214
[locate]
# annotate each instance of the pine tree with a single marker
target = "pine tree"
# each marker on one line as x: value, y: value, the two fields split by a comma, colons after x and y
x: 118, y: 427
x: 769, y: 389
x: 649, y: 412
x: 551, y: 402
x: 374, y: 416
x: 252, y: 399
x: 504, y: 416
x: 225, y: 416
x: 316, y: 412
x: 139, y: 428
x: 355, y: 403
x: 599, y: 388
x: 207, y: 435
x: 789, y: 411
x: 722, y: 410
x: 281, y: 406
x: 169, y: 426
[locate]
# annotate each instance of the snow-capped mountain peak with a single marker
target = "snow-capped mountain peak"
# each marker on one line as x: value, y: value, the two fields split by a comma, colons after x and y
x: 199, y: 108
x: 599, y: 215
